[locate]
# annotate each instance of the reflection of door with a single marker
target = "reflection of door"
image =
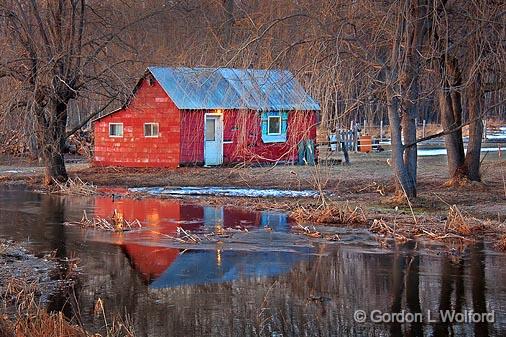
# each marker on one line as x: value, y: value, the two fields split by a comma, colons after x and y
x: 213, y: 140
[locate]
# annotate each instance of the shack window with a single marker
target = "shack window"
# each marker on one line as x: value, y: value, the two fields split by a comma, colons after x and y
x: 274, y: 127
x: 115, y: 129
x: 210, y: 129
x: 150, y: 129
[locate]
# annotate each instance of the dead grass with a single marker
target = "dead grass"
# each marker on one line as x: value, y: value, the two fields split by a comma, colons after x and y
x: 501, y: 243
x: 330, y: 213
x: 32, y: 320
x: 380, y: 227
x: 458, y: 222
x: 115, y: 224
x: 73, y: 187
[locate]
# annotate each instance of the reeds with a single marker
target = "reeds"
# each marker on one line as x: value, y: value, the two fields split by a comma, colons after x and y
x: 457, y: 222
x: 73, y: 187
x: 115, y: 224
x: 330, y: 213
x: 187, y: 237
x: 380, y: 227
x: 501, y: 243
x: 31, y: 319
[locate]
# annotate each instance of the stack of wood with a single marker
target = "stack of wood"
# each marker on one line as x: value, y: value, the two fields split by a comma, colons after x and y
x: 80, y: 143
x: 13, y: 143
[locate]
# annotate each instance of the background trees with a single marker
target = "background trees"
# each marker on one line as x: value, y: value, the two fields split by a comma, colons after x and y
x: 58, y: 53
x: 394, y: 60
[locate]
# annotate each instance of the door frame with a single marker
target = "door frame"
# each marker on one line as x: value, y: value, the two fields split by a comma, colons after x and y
x: 219, y: 118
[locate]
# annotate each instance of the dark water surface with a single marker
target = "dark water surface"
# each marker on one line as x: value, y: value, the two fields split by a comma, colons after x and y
x: 262, y: 283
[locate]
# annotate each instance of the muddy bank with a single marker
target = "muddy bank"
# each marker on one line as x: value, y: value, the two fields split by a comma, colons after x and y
x: 17, y: 264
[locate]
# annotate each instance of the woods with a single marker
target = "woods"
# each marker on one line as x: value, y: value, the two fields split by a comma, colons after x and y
x: 393, y: 61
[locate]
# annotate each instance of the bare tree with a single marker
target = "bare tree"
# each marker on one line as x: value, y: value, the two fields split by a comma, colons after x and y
x: 470, y: 47
x: 59, y: 52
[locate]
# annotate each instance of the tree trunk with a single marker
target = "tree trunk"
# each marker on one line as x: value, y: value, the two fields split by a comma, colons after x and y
x: 406, y: 181
x: 453, y: 141
x: 450, y: 107
x: 475, y: 102
x: 51, y: 138
x: 409, y: 135
x: 54, y: 166
x: 229, y: 21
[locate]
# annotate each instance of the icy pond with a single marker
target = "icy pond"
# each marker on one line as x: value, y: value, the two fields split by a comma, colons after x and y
x: 264, y: 280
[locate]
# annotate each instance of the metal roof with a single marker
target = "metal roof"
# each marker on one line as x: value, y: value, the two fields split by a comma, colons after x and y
x: 228, y: 88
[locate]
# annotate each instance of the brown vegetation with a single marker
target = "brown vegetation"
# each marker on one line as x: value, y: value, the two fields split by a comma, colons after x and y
x: 329, y: 213
x: 33, y: 320
x: 501, y: 243
x: 24, y: 315
x: 115, y: 224
x: 73, y: 186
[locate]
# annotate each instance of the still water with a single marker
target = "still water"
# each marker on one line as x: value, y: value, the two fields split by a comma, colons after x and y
x: 264, y: 282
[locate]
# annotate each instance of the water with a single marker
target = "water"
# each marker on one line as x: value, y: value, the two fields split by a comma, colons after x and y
x: 260, y: 283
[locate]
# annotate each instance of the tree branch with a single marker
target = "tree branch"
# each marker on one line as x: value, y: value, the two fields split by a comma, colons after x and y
x: 447, y: 132
x: 83, y: 123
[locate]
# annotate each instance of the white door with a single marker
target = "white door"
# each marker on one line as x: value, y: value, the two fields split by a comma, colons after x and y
x: 213, y: 140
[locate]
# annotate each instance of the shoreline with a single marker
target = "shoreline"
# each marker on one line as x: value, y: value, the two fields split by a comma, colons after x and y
x: 473, y: 209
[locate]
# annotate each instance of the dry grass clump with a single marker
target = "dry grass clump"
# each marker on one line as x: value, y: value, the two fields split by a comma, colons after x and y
x: 115, y: 224
x: 457, y: 222
x: 30, y: 319
x: 458, y: 181
x: 330, y: 213
x: 20, y: 293
x: 380, y: 227
x: 73, y: 187
x: 43, y: 324
x: 501, y: 243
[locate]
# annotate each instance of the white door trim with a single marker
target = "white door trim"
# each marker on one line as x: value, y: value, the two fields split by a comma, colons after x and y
x: 219, y: 137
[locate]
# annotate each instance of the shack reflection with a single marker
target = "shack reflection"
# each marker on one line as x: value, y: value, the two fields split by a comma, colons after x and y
x: 164, y: 267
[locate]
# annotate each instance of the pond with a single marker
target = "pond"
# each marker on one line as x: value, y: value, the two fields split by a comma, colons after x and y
x: 263, y: 281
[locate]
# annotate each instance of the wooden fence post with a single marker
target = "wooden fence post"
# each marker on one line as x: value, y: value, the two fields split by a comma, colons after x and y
x: 423, y: 127
x: 381, y: 130
x: 484, y: 130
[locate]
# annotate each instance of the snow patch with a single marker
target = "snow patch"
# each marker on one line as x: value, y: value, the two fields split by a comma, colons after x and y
x: 225, y: 191
x: 439, y: 152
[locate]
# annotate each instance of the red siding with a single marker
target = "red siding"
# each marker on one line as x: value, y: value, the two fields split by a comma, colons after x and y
x: 243, y: 137
x: 192, y: 137
x: 151, y: 104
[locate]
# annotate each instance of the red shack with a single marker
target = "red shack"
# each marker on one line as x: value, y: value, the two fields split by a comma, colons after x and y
x: 204, y: 116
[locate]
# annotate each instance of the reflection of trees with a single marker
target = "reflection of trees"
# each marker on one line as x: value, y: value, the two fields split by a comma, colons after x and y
x: 397, y: 291
x: 413, y: 288
x: 448, y: 275
x: 52, y: 215
x: 478, y: 287
x: 405, y: 280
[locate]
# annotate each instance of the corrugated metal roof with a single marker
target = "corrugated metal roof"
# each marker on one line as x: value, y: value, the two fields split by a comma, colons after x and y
x: 227, y: 88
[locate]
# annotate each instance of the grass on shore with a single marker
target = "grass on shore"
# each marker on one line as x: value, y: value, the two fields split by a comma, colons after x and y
x: 23, y: 316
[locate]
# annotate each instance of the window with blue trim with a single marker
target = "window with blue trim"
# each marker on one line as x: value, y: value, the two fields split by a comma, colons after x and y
x: 274, y: 126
